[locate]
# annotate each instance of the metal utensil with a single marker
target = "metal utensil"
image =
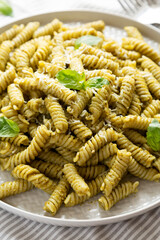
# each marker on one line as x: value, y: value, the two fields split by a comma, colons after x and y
x: 131, y: 7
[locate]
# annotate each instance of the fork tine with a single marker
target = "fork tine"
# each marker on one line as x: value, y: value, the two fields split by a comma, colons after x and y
x: 133, y: 4
x: 140, y: 3
x: 122, y: 5
x: 146, y: 2
x: 128, y: 6
x: 151, y: 2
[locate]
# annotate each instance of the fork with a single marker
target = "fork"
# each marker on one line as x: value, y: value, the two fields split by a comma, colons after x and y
x: 132, y: 6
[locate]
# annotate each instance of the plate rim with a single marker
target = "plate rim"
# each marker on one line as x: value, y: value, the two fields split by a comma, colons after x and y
x: 18, y: 20
x: 76, y: 222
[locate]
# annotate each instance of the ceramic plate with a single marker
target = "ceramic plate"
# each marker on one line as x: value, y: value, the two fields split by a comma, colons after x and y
x: 30, y: 204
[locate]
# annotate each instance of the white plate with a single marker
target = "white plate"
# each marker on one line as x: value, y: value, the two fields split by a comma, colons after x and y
x: 30, y: 204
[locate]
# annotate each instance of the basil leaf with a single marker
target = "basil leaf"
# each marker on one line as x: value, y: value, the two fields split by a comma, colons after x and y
x: 71, y: 79
x: 5, y: 8
x: 8, y: 128
x: 89, y: 40
x: 153, y: 135
x: 96, y: 82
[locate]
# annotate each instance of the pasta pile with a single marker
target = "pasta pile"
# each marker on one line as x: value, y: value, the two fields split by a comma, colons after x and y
x: 75, y: 144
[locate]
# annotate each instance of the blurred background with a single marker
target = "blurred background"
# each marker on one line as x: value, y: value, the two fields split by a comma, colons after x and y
x: 145, y: 11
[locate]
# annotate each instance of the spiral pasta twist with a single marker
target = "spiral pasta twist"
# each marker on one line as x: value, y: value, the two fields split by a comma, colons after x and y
x: 140, y: 171
x: 77, y: 106
x: 55, y: 88
x: 22, y: 68
x: 135, y: 136
x: 44, y: 67
x: 27, y: 112
x: 109, y: 162
x: 19, y: 140
x: 157, y: 164
x: 66, y: 153
x: 16, y: 96
x: 135, y: 106
x: 25, y: 34
x: 73, y: 198
x: 95, y: 143
x: 107, y: 151
x: 5, y: 48
x: 66, y: 140
x: 7, y: 149
x: 41, y: 53
x: 152, y: 109
x: 133, y: 32
x: 116, y: 121
x: 125, y: 98
x: 4, y: 100
x: 11, y: 32
x: 91, y: 172
x: 48, y: 29
x: 29, y: 48
x: 120, y: 192
x: 7, y: 78
x: 100, y: 73
x: 38, y: 142
x: 93, y: 62
x: 141, y: 47
x: 34, y: 94
x: 86, y: 49
x: 12, y: 57
x: 102, y: 154
x: 76, y: 33
x: 48, y: 169
x: 69, y: 43
x: 140, y: 155
x: 32, y: 129
x: 37, y: 105
x: 15, y: 187
x: 113, y: 47
x: 57, y: 197
x: 80, y: 130
x: 152, y: 83
x: 126, y: 63
x: 98, y: 25
x: 151, y: 66
x: 128, y: 71
x: 76, y: 181
x: 22, y: 58
x: 58, y: 61
x: 116, y: 172
x: 141, y: 88
x: 76, y: 64
x: 57, y: 114
x: 27, y: 84
x: 98, y: 102
x: 136, y: 122
x: 57, y: 56
x: 32, y: 175
x: 52, y: 157
x: 98, y: 125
